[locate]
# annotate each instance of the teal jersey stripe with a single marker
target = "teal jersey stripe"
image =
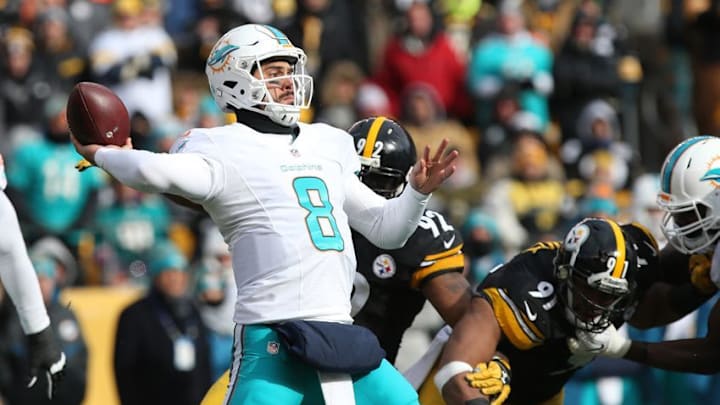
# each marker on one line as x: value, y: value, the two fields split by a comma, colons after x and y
x: 673, y: 158
x: 281, y: 38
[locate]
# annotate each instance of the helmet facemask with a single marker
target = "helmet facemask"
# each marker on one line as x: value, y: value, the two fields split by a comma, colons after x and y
x: 690, y: 227
x: 296, y: 84
x: 384, y: 181
x: 591, y: 300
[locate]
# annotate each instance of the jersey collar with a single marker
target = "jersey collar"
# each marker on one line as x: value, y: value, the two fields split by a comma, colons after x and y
x: 264, y: 124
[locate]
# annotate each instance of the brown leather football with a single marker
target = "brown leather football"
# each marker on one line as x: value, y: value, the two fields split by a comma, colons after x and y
x: 96, y: 115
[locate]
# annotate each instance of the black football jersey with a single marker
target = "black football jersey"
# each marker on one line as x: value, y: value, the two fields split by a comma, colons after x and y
x: 387, y: 291
x: 523, y: 294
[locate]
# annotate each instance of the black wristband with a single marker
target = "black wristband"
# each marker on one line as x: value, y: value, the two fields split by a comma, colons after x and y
x: 478, y: 401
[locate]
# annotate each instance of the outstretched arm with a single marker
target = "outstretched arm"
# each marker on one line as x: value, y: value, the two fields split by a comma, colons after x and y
x: 474, y: 340
x: 188, y: 175
x: 700, y: 355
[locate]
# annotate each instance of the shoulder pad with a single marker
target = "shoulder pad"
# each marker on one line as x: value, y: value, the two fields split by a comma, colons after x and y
x: 554, y: 245
x: 644, y: 244
x: 522, y: 293
x: 438, y: 247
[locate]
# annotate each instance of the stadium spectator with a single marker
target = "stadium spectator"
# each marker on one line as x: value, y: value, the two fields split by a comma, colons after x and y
x: 583, y: 72
x: 338, y: 94
x: 422, y: 53
x: 24, y: 86
x: 598, y: 152
x: 52, y: 198
x: 530, y: 204
x: 59, y: 53
x: 161, y: 347
x: 510, y: 56
x: 126, y: 227
x: 135, y: 60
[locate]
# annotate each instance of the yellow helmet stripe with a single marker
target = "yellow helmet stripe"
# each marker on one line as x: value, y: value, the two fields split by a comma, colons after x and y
x: 620, y: 247
x: 647, y: 233
x: 372, y: 136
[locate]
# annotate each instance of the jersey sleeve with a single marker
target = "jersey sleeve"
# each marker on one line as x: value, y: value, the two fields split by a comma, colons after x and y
x: 521, y: 298
x: 436, y: 247
x: 196, y: 174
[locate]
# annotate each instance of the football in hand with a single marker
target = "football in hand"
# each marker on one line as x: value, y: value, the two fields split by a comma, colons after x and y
x: 96, y: 115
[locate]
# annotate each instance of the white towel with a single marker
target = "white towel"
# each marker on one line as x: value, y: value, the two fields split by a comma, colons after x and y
x: 418, y: 372
x: 337, y: 388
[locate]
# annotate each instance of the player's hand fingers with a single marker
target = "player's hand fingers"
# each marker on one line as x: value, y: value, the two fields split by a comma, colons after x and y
x: 440, y: 150
x: 502, y: 396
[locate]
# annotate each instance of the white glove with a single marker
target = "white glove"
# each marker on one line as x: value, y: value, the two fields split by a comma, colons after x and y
x: 609, y: 343
x: 715, y: 266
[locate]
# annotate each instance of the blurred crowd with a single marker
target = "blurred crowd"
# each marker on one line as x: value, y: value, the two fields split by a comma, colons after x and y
x: 560, y: 109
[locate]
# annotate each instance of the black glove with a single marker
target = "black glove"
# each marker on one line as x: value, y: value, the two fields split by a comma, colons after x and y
x: 45, y: 356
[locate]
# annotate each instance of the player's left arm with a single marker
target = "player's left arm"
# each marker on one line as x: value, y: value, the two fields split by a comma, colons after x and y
x: 701, y: 355
x: 683, y: 285
x: 388, y: 224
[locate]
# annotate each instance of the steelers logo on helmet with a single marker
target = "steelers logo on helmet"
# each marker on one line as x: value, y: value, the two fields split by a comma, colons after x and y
x: 596, y: 268
x: 690, y: 195
x: 387, y: 153
x: 384, y: 266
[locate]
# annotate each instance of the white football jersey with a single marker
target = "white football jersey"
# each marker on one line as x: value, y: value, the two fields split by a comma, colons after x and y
x: 278, y: 203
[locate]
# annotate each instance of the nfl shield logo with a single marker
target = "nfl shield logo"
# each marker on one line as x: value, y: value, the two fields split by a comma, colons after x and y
x: 273, y: 347
x: 384, y: 266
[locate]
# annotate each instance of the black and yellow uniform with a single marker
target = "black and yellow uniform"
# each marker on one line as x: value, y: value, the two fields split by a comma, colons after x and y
x: 387, y: 292
x: 524, y: 294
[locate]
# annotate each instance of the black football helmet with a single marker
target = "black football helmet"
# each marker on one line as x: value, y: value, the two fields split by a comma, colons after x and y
x: 386, y: 154
x: 596, y: 267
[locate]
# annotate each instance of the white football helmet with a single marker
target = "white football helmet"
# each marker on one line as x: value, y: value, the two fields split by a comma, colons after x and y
x: 237, y: 55
x: 690, y: 195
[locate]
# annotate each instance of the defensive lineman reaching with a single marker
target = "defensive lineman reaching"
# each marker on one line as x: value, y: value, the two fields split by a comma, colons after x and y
x: 690, y: 197
x: 284, y: 195
x: 21, y: 283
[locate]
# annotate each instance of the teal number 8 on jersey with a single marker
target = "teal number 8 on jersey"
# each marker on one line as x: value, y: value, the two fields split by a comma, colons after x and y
x: 312, y: 194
